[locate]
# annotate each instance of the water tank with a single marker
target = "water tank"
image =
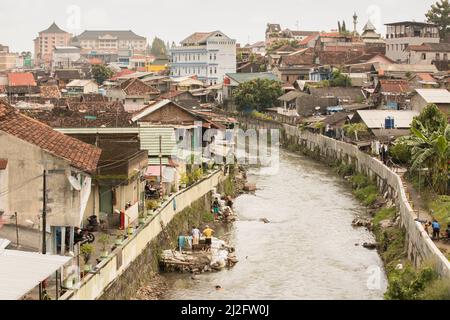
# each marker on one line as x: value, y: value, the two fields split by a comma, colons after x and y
x: 389, y: 123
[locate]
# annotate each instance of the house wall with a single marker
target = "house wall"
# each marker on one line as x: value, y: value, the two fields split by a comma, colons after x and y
x: 91, y: 87
x: 426, y: 57
x: 395, y: 47
x: 25, y: 169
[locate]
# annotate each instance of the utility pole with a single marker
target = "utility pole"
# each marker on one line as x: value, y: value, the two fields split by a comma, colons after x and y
x: 160, y: 168
x: 44, y: 213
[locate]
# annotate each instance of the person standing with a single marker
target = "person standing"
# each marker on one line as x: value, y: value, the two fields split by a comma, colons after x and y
x: 208, y: 232
x: 181, y: 242
x: 195, y: 238
x: 436, y: 230
x: 216, y: 206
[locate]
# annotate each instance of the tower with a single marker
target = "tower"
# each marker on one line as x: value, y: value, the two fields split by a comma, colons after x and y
x: 355, y: 23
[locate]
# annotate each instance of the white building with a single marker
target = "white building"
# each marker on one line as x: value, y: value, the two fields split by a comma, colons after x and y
x: 209, y: 56
x: 64, y: 57
x: 400, y: 35
x: 79, y: 87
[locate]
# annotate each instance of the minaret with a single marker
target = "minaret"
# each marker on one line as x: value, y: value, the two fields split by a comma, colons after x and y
x: 355, y: 23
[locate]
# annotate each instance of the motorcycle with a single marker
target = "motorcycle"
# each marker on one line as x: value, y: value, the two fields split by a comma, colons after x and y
x: 83, y: 236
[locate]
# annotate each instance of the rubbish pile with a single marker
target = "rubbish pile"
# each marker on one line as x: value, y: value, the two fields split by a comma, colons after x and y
x: 217, y: 258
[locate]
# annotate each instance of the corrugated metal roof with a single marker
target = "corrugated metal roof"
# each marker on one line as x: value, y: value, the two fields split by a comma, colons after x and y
x: 376, y: 118
x: 149, y: 137
x: 20, y: 271
x: 435, y: 95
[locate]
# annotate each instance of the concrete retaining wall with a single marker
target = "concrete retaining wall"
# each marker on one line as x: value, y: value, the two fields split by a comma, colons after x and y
x: 420, y: 247
x: 93, y: 286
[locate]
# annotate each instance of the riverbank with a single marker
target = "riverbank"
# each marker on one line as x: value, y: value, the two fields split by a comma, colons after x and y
x: 413, y: 264
x: 198, y: 214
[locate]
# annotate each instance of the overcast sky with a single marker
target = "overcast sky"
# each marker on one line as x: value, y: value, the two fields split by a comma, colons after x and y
x: 173, y: 20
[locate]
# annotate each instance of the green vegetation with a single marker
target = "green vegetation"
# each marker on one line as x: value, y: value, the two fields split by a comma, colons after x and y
x: 355, y: 129
x: 152, y: 204
x: 400, y: 154
x: 258, y: 94
x: 101, y: 73
x: 421, y: 284
x: 339, y: 80
x: 158, y: 48
x: 439, y: 14
x: 261, y: 116
x: 228, y: 186
x: 207, y: 217
x: 344, y: 170
x: 86, y: 251
x: 384, y: 214
x: 440, y: 207
x: 280, y: 43
x: 429, y: 144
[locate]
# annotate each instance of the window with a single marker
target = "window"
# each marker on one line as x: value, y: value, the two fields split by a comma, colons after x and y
x: 215, y: 57
x: 215, y: 70
x: 445, y: 57
x: 210, y: 56
x: 424, y: 56
x: 438, y: 56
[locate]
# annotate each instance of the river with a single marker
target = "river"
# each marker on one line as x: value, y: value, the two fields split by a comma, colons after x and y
x: 308, y: 251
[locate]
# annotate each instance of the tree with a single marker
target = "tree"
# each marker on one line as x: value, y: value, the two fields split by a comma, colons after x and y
x: 429, y: 143
x: 340, y: 80
x: 355, y: 129
x: 158, y: 48
x: 439, y: 14
x: 258, y: 94
x: 101, y: 73
x: 339, y: 27
x: 344, y: 28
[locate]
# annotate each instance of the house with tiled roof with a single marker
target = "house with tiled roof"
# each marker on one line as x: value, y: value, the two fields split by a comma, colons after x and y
x: 22, y: 84
x: 392, y: 94
x: 430, y: 53
x: 133, y: 93
x: 34, y: 150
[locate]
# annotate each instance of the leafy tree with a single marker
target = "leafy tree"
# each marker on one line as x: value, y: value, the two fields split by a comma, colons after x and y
x: 340, y: 80
x: 354, y: 129
x: 431, y: 118
x: 429, y: 143
x: 439, y: 14
x: 258, y: 94
x: 158, y: 48
x: 101, y: 73
x: 339, y: 27
x: 344, y: 27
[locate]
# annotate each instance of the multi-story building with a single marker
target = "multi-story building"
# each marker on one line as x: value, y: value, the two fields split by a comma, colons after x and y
x: 45, y: 43
x: 206, y: 55
x: 7, y: 59
x: 400, y: 35
x: 110, y: 42
x: 64, y: 57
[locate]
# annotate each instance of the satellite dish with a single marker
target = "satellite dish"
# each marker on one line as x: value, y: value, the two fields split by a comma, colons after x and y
x: 75, y: 183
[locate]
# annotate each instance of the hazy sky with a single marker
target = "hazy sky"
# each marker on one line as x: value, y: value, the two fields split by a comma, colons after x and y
x: 173, y: 20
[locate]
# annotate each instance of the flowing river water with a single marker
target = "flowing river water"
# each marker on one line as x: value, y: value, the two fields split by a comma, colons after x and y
x: 308, y: 251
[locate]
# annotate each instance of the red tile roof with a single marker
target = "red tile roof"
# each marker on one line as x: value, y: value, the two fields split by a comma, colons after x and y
x: 80, y: 155
x: 19, y: 79
x: 394, y: 86
x: 122, y: 73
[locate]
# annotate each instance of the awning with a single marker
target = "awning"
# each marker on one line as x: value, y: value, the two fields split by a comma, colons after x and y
x: 153, y: 171
x: 21, y: 272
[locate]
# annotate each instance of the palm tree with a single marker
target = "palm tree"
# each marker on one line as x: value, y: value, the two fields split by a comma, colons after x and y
x: 430, y: 149
x: 355, y: 129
